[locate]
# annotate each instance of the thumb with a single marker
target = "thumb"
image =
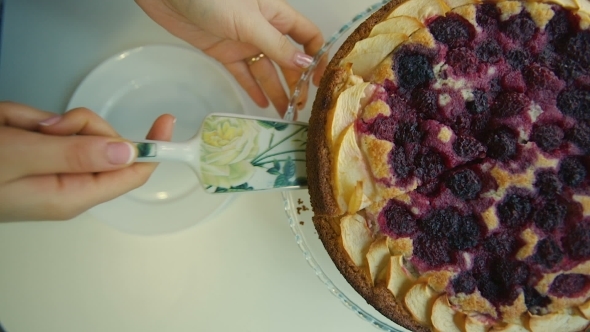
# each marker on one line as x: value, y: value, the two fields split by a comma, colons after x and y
x: 36, y: 154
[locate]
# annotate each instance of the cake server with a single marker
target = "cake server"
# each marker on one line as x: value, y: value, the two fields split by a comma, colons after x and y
x: 238, y: 153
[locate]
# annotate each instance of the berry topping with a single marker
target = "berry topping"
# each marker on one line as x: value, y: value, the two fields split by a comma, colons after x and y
x: 576, y: 242
x: 509, y: 273
x: 578, y: 48
x: 580, y: 135
x: 464, y: 283
x: 575, y: 103
x: 559, y: 26
x: 509, y: 103
x: 383, y: 128
x: 479, y: 104
x: 540, y: 78
x: 502, y: 244
x: 520, y: 28
x: 432, y: 251
x: 489, y: 51
x: 487, y: 16
x: 513, y: 81
x: 501, y: 144
x: 547, y: 137
x: 464, y: 184
x: 547, y: 183
x: 425, y: 102
x: 463, y: 60
x: 517, y: 58
x: 569, y: 285
x: 550, y: 216
x: 534, y: 300
x: 398, y: 219
x: 428, y: 165
x: 408, y: 132
x: 401, y: 165
x: 439, y: 223
x: 466, y: 234
x: 548, y: 253
x: 413, y: 69
x: 514, y: 210
x: 452, y: 30
x: 571, y: 171
x: 468, y: 147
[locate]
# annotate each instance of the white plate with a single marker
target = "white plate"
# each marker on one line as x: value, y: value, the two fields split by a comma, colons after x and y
x: 130, y: 90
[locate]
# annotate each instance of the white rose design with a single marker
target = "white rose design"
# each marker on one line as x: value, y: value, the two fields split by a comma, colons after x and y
x: 229, y: 144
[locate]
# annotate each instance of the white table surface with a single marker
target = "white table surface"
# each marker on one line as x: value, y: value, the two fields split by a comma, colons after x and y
x: 241, y: 271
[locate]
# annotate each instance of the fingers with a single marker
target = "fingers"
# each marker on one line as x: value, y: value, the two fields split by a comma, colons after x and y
x: 22, y: 116
x: 79, y: 121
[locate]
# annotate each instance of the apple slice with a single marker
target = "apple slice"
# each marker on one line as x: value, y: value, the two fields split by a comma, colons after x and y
x: 585, y: 309
x: 458, y: 3
x: 421, y: 9
x: 350, y: 168
x: 509, y: 328
x: 399, y: 24
x: 356, y: 237
x: 377, y: 258
x: 347, y: 108
x: 419, y: 301
x: 569, y: 4
x: 444, y: 318
x: 368, y: 53
x: 399, y: 281
x: 562, y: 322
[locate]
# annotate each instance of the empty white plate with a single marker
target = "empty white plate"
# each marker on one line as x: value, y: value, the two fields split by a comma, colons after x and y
x: 130, y: 90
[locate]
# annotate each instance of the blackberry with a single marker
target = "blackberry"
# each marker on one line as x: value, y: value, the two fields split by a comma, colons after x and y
x: 402, y: 167
x: 575, y: 103
x: 501, y: 144
x: 534, y: 300
x: 509, y: 273
x: 452, y: 30
x: 428, y: 165
x: 550, y: 216
x: 440, y: 223
x: 489, y: 51
x: 548, y: 253
x: 487, y: 16
x: 517, y: 58
x: 413, y: 69
x: 569, y: 70
x: 514, y: 210
x: 547, y: 137
x: 519, y: 28
x: 509, y: 104
x: 501, y: 244
x: 464, y: 283
x: 578, y: 48
x: 432, y: 251
x: 479, y: 104
x: 580, y: 135
x: 463, y: 60
x: 464, y: 184
x: 408, y: 132
x: 425, y: 102
x: 468, y: 147
x: 540, y: 78
x: 466, y: 235
x: 547, y: 183
x: 576, y: 243
x: 572, y: 171
x: 383, y: 128
x: 399, y: 220
x: 559, y: 26
x: 569, y: 285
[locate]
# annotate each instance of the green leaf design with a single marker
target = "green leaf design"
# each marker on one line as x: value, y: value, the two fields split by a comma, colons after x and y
x: 243, y: 187
x: 281, y: 181
x: 221, y: 190
x: 271, y: 124
x: 289, y: 168
x: 273, y: 171
x: 146, y: 149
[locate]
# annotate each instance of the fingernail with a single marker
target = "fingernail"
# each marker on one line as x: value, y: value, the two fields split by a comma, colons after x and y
x: 51, y: 121
x: 303, y: 60
x: 120, y: 153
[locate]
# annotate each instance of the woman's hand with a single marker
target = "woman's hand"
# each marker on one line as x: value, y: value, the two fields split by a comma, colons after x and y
x: 235, y: 31
x: 56, y: 167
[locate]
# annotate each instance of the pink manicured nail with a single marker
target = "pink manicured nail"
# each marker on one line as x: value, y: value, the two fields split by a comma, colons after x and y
x: 120, y: 153
x: 51, y: 121
x: 303, y: 60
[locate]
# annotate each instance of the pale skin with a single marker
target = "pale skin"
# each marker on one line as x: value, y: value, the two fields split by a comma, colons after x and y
x: 55, y: 167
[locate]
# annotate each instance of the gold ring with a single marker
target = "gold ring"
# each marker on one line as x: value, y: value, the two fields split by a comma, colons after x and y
x: 254, y: 59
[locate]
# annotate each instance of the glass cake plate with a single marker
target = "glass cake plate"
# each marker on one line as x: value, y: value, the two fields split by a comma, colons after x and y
x: 298, y: 206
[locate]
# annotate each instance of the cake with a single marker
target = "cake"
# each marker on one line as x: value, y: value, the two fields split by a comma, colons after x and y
x: 448, y: 164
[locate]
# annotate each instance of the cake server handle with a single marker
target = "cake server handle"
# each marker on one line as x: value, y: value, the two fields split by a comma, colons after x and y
x: 238, y: 153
